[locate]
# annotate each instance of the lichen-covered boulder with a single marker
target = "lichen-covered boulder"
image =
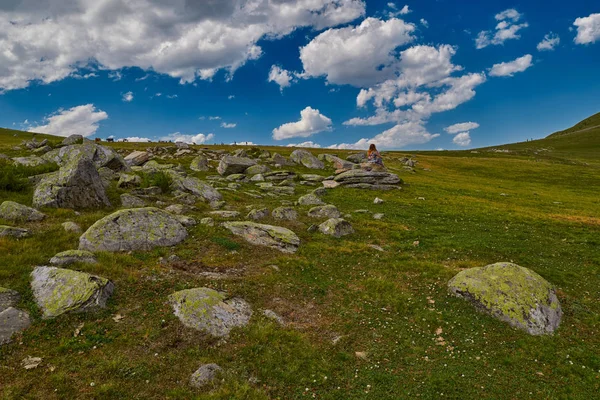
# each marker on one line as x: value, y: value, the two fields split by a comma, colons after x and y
x: 133, y: 229
x: 201, y: 189
x: 73, y: 256
x: 275, y: 237
x: 337, y: 162
x: 336, y: 227
x: 312, y: 178
x: 11, y: 211
x: 129, y: 181
x: 257, y: 214
x: 234, y: 165
x: 305, y: 158
x: 199, y: 164
x: 225, y: 214
x: 137, y: 158
x: 73, y: 139
x: 360, y: 176
x: 130, y: 201
x: 310, y: 199
x: 210, y: 311
x: 512, y: 294
x: 31, y: 161
x: 76, y: 185
x: 326, y: 211
x: 257, y: 169
x: 205, y: 375
x: 11, y: 231
x: 101, y: 156
x: 12, y: 321
x: 278, y: 159
x: 71, y: 226
x: 358, y: 158
x: 58, y: 291
x: 286, y: 213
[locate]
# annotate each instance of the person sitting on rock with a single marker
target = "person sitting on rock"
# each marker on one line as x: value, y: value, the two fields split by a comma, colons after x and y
x: 373, y: 156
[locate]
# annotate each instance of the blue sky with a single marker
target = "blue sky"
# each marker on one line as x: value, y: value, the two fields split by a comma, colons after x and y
x: 341, y: 73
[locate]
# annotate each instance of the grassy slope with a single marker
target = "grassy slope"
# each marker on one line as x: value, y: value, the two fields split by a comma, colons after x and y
x: 387, y: 304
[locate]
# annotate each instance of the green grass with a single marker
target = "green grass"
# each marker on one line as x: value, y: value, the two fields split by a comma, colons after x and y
x: 540, y: 211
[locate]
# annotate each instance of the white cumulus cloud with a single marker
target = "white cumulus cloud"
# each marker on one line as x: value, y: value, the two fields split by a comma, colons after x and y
x: 360, y: 55
x: 510, y: 68
x: 311, y: 122
x: 81, y: 120
x: 309, y: 143
x: 549, y: 42
x: 50, y: 40
x: 191, y: 139
x: 282, y: 77
x: 128, y: 97
x: 462, y: 127
x: 135, y: 139
x: 588, y: 29
x: 462, y: 139
x: 506, y: 29
x: 400, y: 135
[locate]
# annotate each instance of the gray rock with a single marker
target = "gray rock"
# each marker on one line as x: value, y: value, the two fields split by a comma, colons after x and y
x: 130, y: 201
x: 234, y: 165
x: 257, y: 169
x: 58, y: 291
x: 70, y: 226
x: 272, y: 315
x: 278, y: 159
x: 370, y: 177
x: 186, y: 221
x: 326, y: 211
x: 8, y: 298
x: 11, y: 211
x: 378, y: 201
x: 369, y: 186
x: 210, y: 311
x: 177, y: 209
x: 149, y: 191
x: 137, y: 158
x: 312, y: 178
x: 305, y: 158
x: 378, y: 216
x: 205, y: 375
x: 133, y: 229
x: 258, y: 214
x: 330, y: 184
x: 73, y: 139
x: 207, y: 221
x: 512, y: 294
x: 337, y: 162
x: 107, y: 175
x: 310, y: 199
x: 199, y: 164
x: 286, y: 213
x: 129, y: 181
x: 186, y: 198
x: 201, y: 189
x: 225, y: 214
x: 236, y: 177
x: 76, y: 185
x: 73, y: 256
x: 101, y: 156
x: 275, y: 237
x: 18, y: 233
x: 336, y: 227
x: 257, y: 178
x: 32, y: 161
x: 358, y: 158
x: 12, y: 321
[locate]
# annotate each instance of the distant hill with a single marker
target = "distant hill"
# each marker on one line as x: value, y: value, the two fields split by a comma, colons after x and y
x: 587, y: 124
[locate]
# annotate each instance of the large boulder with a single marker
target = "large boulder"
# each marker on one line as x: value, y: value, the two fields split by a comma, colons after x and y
x: 358, y: 158
x: 257, y: 169
x: 280, y: 160
x: 76, y: 185
x: 11, y: 211
x: 210, y: 311
x: 512, y: 294
x: 12, y: 321
x: 305, y: 158
x: 129, y: 181
x: 337, y: 162
x: 31, y: 161
x: 58, y: 291
x: 201, y: 189
x: 275, y: 237
x: 101, y: 156
x: 19, y: 233
x: 133, y: 229
x: 73, y: 139
x: 137, y: 158
x: 286, y: 213
x: 362, y: 177
x: 326, y: 211
x: 336, y: 227
x: 73, y: 256
x: 310, y: 199
x: 199, y: 164
x: 234, y: 165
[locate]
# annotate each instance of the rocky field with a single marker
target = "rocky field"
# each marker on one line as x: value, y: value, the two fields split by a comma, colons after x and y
x: 133, y: 270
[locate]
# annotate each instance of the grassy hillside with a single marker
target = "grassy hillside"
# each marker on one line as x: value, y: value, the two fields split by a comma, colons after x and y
x: 361, y: 323
x: 586, y: 124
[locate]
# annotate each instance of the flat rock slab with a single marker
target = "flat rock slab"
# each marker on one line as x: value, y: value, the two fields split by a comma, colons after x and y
x: 133, y: 229
x: 11, y: 231
x: 201, y: 189
x: 512, y: 294
x: 234, y: 165
x: 11, y: 211
x: 310, y: 199
x: 275, y: 237
x: 286, y: 213
x: 12, y: 321
x: 210, y: 311
x: 58, y: 291
x: 327, y: 211
x: 225, y: 214
x: 336, y: 227
x: 306, y: 158
x: 73, y: 256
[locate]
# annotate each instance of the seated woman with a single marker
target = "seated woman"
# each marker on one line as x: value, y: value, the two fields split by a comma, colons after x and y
x: 373, y: 156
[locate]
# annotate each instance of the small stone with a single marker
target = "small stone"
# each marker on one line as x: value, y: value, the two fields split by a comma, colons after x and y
x: 258, y: 214
x: 377, y: 201
x: 129, y: 181
x: 326, y: 211
x: 206, y: 374
x: 336, y: 227
x: 310, y: 199
x: 70, y: 226
x: 225, y: 214
x: 17, y: 233
x: 274, y: 316
x: 73, y: 256
x: 378, y: 216
x: 285, y: 213
x: 129, y: 201
x: 207, y: 221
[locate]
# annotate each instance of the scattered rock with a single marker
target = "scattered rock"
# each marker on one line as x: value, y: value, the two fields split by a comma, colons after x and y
x: 360, y: 176
x: 199, y: 164
x: 12, y: 321
x: 326, y: 211
x: 129, y: 181
x: 186, y: 221
x: 287, y: 213
x: 337, y: 162
x: 205, y: 375
x: 257, y: 178
x: 512, y: 294
x: 312, y: 178
x: 11, y: 211
x: 147, y: 192
x: 31, y: 161
x: 310, y: 199
x: 76, y: 185
x: 378, y: 216
x: 358, y: 158
x: 378, y: 201
x: 8, y: 298
x: 225, y: 214
x: 201, y: 189
x: 305, y: 158
x: 58, y: 291
x: 18, y: 233
x: 330, y: 184
x: 336, y: 227
x: 280, y: 160
x: 177, y: 209
x: 130, y: 201
x: 375, y: 247
x: 133, y: 229
x: 257, y: 214
x: 257, y: 169
x: 207, y: 221
x: 234, y: 165
x: 210, y: 311
x: 272, y: 315
x: 70, y: 226
x: 137, y: 158
x: 73, y: 256
x: 73, y: 139
x: 275, y: 237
